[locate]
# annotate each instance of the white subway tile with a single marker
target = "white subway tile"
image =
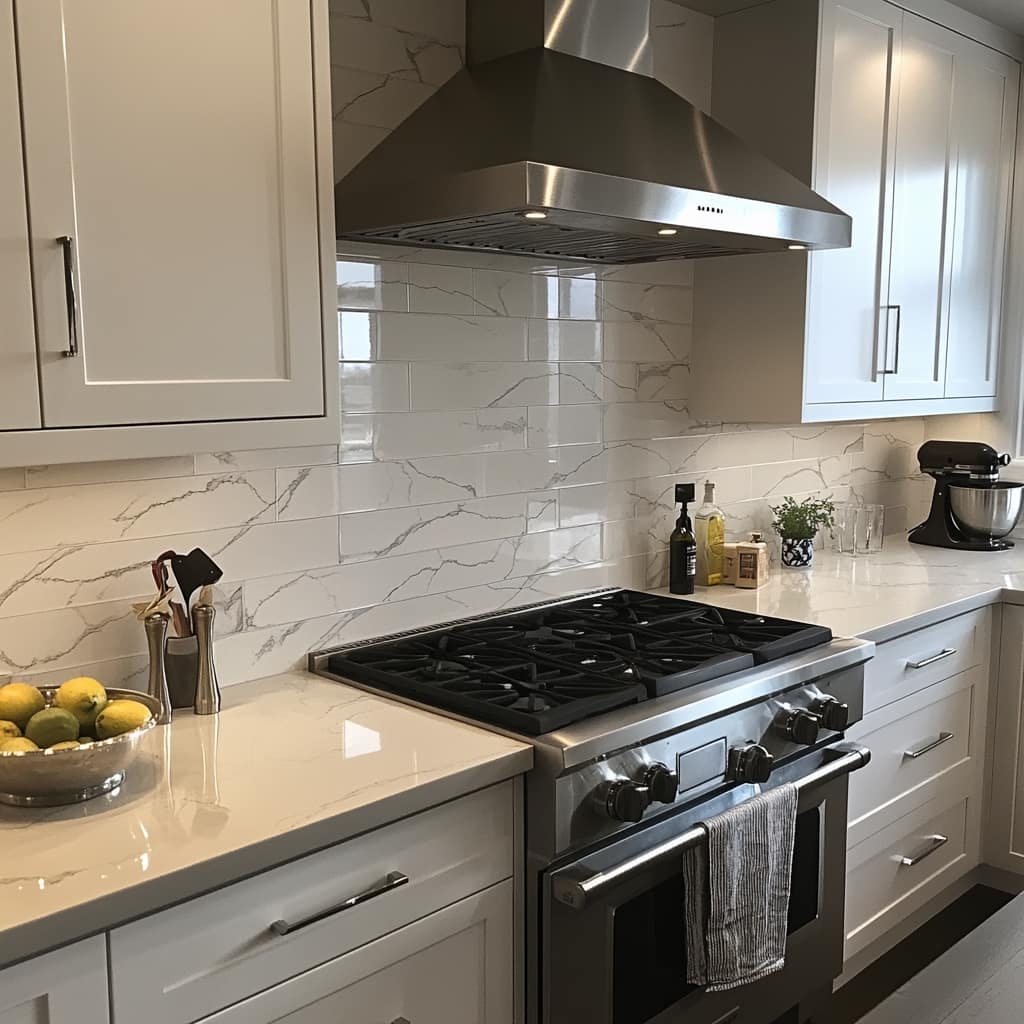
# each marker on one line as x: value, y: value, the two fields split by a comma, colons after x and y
x: 646, y: 341
x: 421, y: 336
x: 267, y: 458
x: 544, y: 468
x: 565, y: 340
x: 370, y: 535
x: 434, y: 289
x: 596, y: 503
x: 392, y: 436
x: 75, y: 473
x: 374, y: 387
x: 377, y: 485
x: 563, y: 424
x: 633, y: 302
x: 541, y: 511
x: 373, y: 285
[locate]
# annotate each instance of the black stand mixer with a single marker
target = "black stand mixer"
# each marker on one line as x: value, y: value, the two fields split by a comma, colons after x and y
x: 972, y: 509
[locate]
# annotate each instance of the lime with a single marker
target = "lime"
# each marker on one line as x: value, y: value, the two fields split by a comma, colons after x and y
x: 85, y: 698
x: 18, y: 744
x: 9, y: 731
x: 121, y: 716
x: 66, y: 745
x: 50, y: 726
x: 19, y: 702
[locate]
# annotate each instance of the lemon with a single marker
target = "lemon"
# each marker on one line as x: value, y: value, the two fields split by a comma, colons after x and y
x: 84, y: 741
x: 85, y: 698
x: 18, y: 744
x: 66, y: 745
x: 121, y: 716
x: 19, y: 702
x: 9, y: 731
x: 50, y: 726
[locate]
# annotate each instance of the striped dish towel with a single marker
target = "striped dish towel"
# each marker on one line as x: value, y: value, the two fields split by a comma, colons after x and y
x: 737, y: 892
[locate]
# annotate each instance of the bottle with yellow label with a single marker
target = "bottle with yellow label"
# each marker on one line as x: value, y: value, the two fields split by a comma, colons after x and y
x: 709, y: 527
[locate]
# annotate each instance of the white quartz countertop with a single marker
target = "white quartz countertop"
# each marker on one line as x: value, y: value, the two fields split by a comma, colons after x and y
x: 292, y: 764
x: 876, y: 597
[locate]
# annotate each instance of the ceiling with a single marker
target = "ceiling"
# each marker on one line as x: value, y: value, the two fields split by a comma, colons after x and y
x: 1008, y: 13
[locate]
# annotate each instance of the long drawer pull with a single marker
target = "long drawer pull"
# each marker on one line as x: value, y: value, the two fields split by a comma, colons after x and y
x: 393, y: 880
x: 941, y: 656
x: 913, y: 755
x: 935, y: 842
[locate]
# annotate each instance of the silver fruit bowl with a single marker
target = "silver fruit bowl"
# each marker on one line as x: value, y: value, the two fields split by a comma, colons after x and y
x: 47, y: 778
x: 990, y: 511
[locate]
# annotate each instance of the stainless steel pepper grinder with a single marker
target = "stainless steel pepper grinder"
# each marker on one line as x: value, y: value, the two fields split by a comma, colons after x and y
x: 207, y: 687
x: 156, y: 636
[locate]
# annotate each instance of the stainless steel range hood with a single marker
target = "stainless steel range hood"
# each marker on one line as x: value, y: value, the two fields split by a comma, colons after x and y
x: 556, y: 141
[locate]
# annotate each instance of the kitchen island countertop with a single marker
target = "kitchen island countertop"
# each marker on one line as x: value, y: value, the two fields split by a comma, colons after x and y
x: 292, y: 764
x: 877, y: 597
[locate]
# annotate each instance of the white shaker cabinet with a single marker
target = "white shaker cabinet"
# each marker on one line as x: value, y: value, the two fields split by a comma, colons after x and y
x: 985, y: 121
x: 910, y: 128
x: 19, y: 388
x: 453, y: 967
x: 855, y: 168
x: 68, y: 986
x: 173, y: 146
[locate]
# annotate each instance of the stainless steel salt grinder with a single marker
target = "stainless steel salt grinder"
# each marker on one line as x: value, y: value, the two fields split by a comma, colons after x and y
x: 207, y: 687
x: 156, y: 636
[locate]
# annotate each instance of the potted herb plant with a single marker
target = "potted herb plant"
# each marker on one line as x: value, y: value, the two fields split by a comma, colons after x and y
x: 797, y: 523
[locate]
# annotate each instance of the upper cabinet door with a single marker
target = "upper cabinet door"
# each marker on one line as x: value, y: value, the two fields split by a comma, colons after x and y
x: 914, y: 337
x: 173, y: 146
x: 19, y: 383
x: 985, y: 131
x: 854, y: 169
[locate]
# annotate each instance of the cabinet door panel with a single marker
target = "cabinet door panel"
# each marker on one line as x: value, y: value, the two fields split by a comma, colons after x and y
x: 453, y: 967
x: 915, y: 339
x: 985, y: 118
x: 19, y: 383
x: 66, y: 987
x: 175, y: 144
x: 853, y: 167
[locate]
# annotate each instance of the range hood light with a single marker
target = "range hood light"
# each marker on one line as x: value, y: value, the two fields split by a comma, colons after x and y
x: 668, y: 231
x: 535, y: 215
x: 797, y: 248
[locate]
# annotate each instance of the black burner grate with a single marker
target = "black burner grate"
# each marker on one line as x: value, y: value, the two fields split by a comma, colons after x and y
x: 540, y: 670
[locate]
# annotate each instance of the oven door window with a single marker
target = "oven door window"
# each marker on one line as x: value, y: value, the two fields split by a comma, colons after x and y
x: 649, y: 952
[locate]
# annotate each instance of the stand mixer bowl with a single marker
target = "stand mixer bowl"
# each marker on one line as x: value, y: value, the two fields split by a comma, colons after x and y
x: 990, y: 510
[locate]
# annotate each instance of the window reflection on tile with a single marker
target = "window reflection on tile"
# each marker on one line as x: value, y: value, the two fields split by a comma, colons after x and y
x: 357, y: 336
x: 363, y: 284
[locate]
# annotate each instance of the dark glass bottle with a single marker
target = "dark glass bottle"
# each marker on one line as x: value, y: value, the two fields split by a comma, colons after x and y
x: 683, y: 546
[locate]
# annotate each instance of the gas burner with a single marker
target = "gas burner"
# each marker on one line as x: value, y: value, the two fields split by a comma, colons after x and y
x: 539, y: 670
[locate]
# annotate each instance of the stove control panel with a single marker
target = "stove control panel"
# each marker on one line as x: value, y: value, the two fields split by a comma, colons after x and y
x: 662, y: 782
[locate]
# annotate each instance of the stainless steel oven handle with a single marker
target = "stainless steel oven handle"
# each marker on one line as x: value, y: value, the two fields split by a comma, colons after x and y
x: 575, y: 892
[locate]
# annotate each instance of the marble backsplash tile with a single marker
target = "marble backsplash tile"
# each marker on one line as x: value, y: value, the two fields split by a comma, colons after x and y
x: 512, y: 430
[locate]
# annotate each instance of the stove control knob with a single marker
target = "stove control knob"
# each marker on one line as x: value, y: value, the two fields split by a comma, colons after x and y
x: 626, y: 801
x: 800, y: 726
x: 751, y: 763
x: 662, y: 782
x: 834, y: 714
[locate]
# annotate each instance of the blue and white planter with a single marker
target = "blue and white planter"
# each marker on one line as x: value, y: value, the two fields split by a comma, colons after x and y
x: 797, y: 554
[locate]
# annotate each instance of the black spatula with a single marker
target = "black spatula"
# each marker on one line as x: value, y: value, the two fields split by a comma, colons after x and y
x: 194, y: 570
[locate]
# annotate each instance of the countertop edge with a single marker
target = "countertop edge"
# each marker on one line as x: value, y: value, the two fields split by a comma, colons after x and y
x: 66, y: 927
x: 942, y: 612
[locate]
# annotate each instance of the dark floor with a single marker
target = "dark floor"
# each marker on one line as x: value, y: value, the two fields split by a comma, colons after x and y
x: 914, y: 953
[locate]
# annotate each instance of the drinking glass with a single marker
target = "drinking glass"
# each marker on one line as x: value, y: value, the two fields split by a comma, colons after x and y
x: 859, y: 529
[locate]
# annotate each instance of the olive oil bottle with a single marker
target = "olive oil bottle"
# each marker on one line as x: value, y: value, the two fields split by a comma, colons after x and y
x: 683, y: 546
x: 709, y: 524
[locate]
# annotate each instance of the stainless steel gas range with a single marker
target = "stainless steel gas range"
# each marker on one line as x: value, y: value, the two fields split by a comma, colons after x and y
x: 648, y: 715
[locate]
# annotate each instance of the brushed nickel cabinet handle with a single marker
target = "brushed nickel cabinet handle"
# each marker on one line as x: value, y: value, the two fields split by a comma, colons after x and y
x: 67, y: 244
x: 947, y: 653
x: 393, y: 880
x: 916, y: 752
x: 935, y: 842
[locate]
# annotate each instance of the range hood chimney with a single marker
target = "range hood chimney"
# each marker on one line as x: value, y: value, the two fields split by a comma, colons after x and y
x: 557, y: 142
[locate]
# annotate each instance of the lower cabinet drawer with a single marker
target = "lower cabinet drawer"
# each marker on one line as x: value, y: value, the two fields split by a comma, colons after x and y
x: 454, y: 967
x: 188, y: 962
x: 915, y: 746
x: 927, y: 656
x: 895, y: 872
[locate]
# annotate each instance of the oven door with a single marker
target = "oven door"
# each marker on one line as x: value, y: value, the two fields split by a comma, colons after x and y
x: 613, y: 949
